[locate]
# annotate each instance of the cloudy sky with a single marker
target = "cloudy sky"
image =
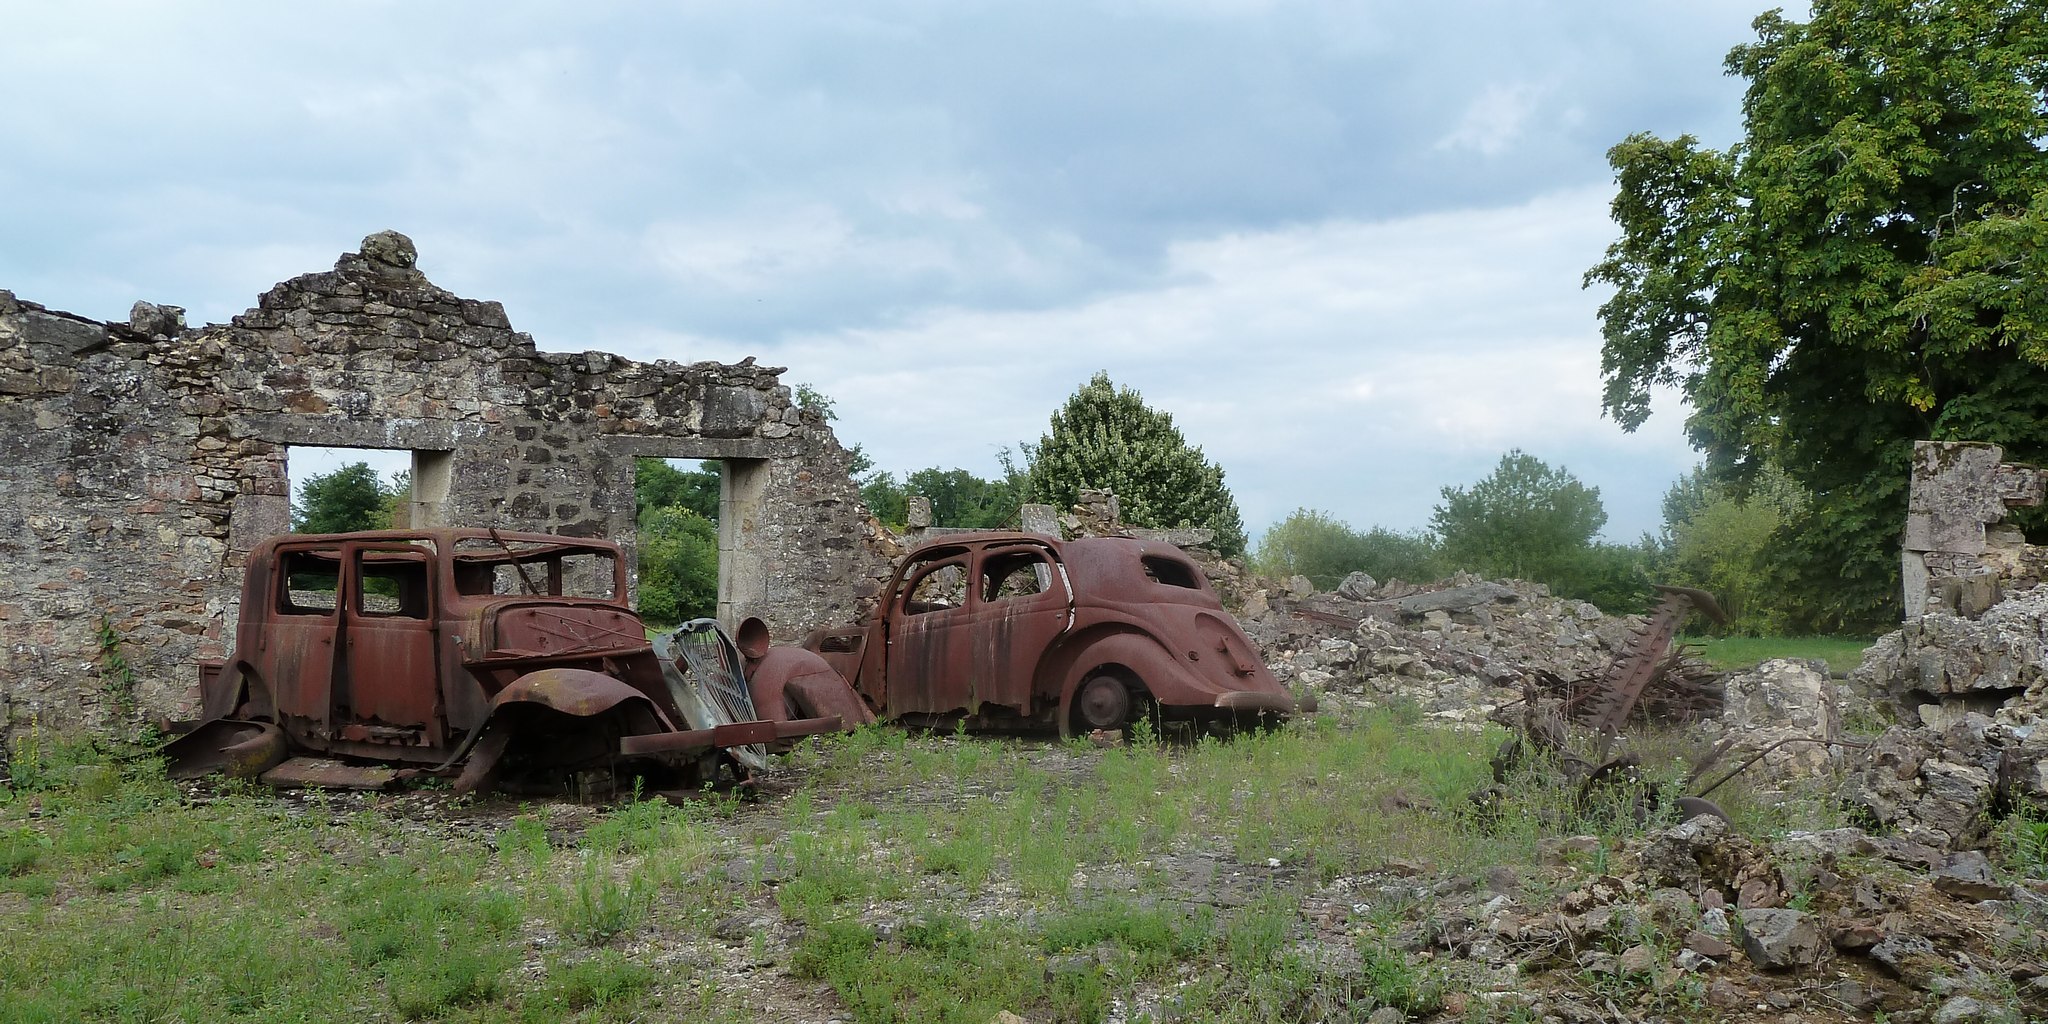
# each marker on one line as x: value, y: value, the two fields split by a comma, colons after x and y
x: 1340, y: 242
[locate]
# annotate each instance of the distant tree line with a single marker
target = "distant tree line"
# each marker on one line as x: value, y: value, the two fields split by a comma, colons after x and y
x: 1526, y: 519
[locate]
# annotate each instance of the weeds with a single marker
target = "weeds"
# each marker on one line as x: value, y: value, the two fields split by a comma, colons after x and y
x: 1393, y: 979
x: 600, y: 906
x: 608, y: 981
x: 114, y: 667
x: 2022, y: 840
x: 132, y: 902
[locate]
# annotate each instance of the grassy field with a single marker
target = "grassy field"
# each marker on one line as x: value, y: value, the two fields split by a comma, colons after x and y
x: 1737, y: 652
x: 876, y: 877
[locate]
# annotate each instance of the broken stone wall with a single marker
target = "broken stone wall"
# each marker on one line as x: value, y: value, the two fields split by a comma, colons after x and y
x: 140, y: 462
x: 1959, y: 556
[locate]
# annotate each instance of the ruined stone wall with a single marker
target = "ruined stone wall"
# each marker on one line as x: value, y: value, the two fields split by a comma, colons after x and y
x: 140, y: 462
x: 1958, y: 554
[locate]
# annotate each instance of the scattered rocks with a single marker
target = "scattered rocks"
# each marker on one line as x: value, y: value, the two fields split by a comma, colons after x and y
x: 1967, y: 876
x: 1775, y: 709
x: 1780, y: 939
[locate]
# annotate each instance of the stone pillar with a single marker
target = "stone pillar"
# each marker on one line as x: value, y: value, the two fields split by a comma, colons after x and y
x: 742, y: 568
x: 1960, y: 490
x: 1036, y: 518
x: 432, y: 475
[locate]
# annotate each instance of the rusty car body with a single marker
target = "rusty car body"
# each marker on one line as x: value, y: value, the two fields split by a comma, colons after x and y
x: 515, y: 656
x: 1022, y: 631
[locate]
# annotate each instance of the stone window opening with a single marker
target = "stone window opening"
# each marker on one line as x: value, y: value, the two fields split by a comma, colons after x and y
x: 395, y: 469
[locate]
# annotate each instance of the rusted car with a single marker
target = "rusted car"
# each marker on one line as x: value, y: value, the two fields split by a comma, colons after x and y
x: 1020, y: 631
x: 513, y: 656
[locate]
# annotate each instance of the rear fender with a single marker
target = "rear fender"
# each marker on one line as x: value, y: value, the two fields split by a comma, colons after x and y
x: 778, y: 669
x: 240, y: 749
x: 1154, y: 666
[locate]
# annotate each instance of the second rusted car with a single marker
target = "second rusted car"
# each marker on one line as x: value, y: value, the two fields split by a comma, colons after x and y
x: 1020, y: 631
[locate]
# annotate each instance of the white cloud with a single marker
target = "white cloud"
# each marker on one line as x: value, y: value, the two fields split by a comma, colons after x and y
x: 1354, y: 367
x: 1340, y: 241
x: 1494, y: 121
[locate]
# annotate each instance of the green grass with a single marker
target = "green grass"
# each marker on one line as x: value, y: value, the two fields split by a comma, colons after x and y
x: 1740, y: 652
x: 865, y: 874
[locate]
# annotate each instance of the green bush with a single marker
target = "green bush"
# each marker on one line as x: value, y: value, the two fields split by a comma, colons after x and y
x: 1314, y: 544
x: 678, y: 566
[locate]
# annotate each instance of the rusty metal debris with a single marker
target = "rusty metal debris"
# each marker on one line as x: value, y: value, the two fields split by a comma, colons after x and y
x: 1650, y: 680
x: 1652, y: 673
x: 1023, y: 632
x: 505, y: 659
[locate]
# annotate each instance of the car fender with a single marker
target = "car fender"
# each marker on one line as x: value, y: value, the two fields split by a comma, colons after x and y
x: 770, y: 676
x: 577, y: 692
x: 236, y: 691
x: 1154, y: 665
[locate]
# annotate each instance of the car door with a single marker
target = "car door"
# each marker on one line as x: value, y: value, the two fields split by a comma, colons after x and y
x: 296, y: 654
x: 928, y: 647
x: 390, y: 691
x: 1020, y: 607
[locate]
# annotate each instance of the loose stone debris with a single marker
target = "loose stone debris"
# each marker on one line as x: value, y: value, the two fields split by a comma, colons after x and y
x: 1969, y: 696
x: 1908, y: 917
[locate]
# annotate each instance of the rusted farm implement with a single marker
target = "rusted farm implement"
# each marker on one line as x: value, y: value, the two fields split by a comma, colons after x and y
x: 1652, y: 678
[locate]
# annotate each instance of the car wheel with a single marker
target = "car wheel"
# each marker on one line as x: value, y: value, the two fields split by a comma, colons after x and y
x: 1103, y: 702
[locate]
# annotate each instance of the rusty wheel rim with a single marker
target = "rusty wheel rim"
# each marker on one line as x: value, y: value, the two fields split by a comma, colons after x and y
x: 1103, y: 703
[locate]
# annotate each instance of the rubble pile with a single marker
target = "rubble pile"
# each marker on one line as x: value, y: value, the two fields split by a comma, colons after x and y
x: 1457, y: 649
x: 1943, y: 665
x: 1971, y: 695
x: 1840, y: 923
x: 1787, y: 711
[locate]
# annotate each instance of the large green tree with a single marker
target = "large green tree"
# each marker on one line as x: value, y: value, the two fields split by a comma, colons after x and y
x: 1526, y: 520
x: 348, y: 499
x: 1864, y: 269
x: 1106, y: 437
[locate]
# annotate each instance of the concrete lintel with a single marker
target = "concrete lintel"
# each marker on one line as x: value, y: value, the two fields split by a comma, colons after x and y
x: 663, y: 447
x: 339, y: 432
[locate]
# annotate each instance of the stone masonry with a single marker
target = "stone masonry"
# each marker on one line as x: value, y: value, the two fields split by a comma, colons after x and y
x: 1959, y: 556
x: 140, y: 462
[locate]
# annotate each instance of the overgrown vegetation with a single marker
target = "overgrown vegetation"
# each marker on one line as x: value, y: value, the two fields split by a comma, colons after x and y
x: 1314, y: 544
x: 1525, y: 520
x: 1861, y: 270
x: 959, y: 498
x: 1719, y: 538
x: 921, y: 878
x: 677, y: 514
